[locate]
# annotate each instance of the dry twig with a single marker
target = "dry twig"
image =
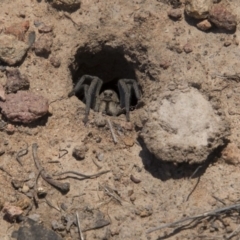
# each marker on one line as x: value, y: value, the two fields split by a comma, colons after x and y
x: 79, y: 227
x: 111, y: 193
x: 85, y: 176
x: 234, y: 233
x: 63, y: 187
x: 98, y: 166
x: 198, y: 217
x: 112, y: 132
x: 21, y: 153
x: 3, y: 169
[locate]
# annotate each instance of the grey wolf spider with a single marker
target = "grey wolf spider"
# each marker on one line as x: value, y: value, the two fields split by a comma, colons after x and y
x: 107, y: 101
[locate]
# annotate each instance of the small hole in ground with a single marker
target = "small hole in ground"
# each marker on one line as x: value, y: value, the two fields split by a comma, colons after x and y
x: 107, y: 63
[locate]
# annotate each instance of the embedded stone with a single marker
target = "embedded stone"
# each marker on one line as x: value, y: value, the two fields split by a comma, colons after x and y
x: 12, y: 51
x: 68, y: 5
x: 16, y: 81
x: 183, y: 127
x: 18, y: 30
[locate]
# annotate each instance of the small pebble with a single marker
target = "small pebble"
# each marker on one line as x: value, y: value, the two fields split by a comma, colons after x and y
x: 187, y: 48
x: 41, y: 191
x: 55, y: 61
x: 100, y: 156
x: 31, y: 175
x: 226, y: 44
x: 25, y: 188
x: 98, y: 139
x: 175, y: 14
x: 37, y: 23
x: 10, y: 129
x: 34, y: 217
x: 17, y: 184
x: 100, y: 121
x: 79, y: 152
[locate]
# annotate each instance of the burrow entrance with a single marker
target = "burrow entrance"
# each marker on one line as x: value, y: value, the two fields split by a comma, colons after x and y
x: 109, y: 64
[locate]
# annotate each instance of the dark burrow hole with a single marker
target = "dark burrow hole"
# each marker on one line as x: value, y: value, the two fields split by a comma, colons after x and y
x: 109, y: 64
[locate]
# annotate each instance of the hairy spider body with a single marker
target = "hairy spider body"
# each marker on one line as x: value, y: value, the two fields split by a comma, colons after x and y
x: 108, y: 101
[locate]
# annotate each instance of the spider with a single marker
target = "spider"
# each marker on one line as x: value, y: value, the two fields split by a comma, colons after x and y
x: 107, y: 101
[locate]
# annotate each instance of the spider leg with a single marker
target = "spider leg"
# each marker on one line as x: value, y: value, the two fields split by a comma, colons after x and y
x: 78, y: 86
x: 92, y: 95
x: 96, y: 103
x: 85, y: 79
x: 125, y: 95
x: 136, y: 89
x: 85, y: 88
x: 91, y: 86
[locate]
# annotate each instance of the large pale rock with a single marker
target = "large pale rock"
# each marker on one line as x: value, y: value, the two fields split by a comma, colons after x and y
x: 183, y: 127
x: 222, y: 17
x: 198, y: 8
x: 12, y: 51
x: 24, y: 107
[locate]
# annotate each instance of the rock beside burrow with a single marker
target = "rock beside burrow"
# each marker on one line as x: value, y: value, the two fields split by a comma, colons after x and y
x: 24, y: 107
x: 79, y: 152
x: 42, y: 46
x: 68, y: 5
x: 175, y: 14
x: 222, y: 17
x: 183, y: 127
x: 12, y: 51
x: 18, y: 30
x: 198, y: 8
x: 16, y: 81
x: 204, y: 25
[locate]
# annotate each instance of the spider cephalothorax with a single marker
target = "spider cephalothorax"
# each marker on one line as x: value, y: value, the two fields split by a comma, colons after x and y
x: 108, y: 101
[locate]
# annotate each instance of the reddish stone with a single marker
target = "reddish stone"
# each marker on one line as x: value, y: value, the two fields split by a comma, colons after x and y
x: 175, y: 14
x: 222, y: 18
x: 10, y: 129
x: 43, y: 45
x: 204, y: 25
x: 45, y: 29
x: 18, y: 30
x: 24, y: 107
x: 187, y: 48
x: 165, y: 64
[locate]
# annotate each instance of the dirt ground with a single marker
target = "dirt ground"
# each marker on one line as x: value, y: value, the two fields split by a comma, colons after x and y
x: 112, y: 40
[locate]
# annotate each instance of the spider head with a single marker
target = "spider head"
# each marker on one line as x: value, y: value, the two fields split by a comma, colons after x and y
x: 108, y: 95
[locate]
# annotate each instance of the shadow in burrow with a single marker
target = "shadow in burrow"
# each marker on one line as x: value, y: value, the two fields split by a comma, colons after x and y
x: 167, y: 170
x: 109, y: 64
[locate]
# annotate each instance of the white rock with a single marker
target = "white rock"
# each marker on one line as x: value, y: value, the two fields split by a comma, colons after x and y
x: 198, y: 8
x: 186, y: 128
